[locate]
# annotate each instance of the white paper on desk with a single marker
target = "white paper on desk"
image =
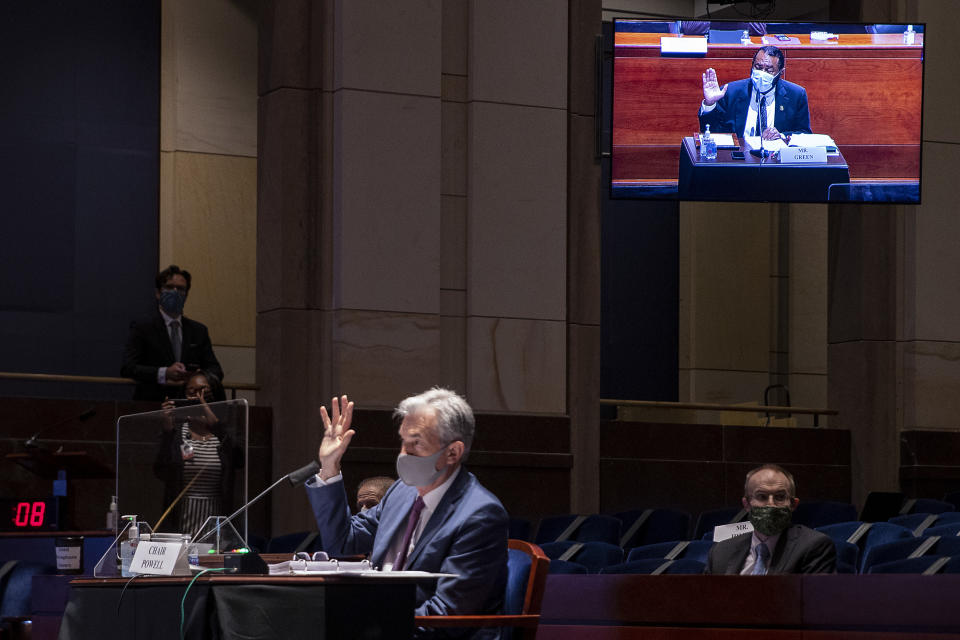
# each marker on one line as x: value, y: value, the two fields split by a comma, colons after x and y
x: 753, y: 142
x: 723, y: 140
x: 814, y: 140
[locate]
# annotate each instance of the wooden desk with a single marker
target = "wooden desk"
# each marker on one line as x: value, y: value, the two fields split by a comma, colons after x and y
x: 863, y: 89
x: 750, y: 180
x: 791, y: 607
x: 240, y: 606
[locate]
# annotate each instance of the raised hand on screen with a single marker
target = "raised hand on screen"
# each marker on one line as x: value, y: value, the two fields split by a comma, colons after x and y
x: 711, y: 88
x: 336, y: 436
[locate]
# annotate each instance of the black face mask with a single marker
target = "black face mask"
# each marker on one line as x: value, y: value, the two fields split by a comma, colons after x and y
x: 770, y: 521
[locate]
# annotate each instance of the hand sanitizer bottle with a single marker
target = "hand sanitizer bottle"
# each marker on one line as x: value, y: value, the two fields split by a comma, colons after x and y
x: 909, y: 36
x: 708, y: 146
x: 113, y: 516
x: 129, y: 546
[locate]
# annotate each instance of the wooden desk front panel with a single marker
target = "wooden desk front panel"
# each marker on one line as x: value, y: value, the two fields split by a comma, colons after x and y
x: 821, y: 607
x: 862, y: 95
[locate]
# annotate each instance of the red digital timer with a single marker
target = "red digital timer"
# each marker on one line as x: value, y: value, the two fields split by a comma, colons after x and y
x: 26, y: 514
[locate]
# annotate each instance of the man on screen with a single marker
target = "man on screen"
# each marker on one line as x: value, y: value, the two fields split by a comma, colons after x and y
x: 762, y: 105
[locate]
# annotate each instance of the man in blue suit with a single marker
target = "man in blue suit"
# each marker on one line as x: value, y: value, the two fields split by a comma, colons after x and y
x: 762, y: 105
x: 436, y: 518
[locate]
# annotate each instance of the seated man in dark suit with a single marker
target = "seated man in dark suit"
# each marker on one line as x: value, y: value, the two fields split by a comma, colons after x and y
x: 436, y: 518
x: 762, y: 105
x: 774, y: 546
x: 163, y: 351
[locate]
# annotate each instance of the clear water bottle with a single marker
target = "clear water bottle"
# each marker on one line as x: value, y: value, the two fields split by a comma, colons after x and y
x: 745, y: 38
x: 708, y: 146
x: 909, y: 36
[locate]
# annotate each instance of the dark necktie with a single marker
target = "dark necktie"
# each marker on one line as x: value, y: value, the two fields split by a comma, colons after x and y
x: 408, y: 534
x: 763, y: 559
x: 762, y: 115
x: 175, y: 340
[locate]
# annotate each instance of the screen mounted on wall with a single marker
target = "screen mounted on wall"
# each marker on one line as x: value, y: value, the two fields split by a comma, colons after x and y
x: 797, y: 112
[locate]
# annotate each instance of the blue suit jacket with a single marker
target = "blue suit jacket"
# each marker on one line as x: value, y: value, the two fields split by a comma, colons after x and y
x: 730, y: 114
x: 466, y: 535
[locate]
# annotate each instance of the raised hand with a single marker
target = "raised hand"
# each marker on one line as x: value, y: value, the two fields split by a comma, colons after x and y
x: 711, y: 88
x: 336, y: 436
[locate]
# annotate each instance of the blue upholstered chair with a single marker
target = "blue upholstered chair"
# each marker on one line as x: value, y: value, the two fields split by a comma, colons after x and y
x: 902, y: 549
x: 16, y: 584
x: 593, y: 555
x: 692, y: 550
x: 527, y: 568
x: 592, y: 528
x: 646, y: 26
x: 878, y: 533
x: 949, y: 529
x: 920, y: 522
x: 564, y: 566
x: 655, y: 525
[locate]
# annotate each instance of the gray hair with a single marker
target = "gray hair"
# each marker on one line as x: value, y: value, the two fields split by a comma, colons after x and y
x: 454, y: 415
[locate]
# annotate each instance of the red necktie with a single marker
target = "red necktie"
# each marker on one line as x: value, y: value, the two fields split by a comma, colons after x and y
x: 408, y: 534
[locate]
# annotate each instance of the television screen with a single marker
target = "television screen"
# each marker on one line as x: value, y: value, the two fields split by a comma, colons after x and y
x: 796, y: 112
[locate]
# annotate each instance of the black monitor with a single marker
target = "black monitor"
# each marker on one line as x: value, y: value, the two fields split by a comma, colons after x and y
x: 844, y: 103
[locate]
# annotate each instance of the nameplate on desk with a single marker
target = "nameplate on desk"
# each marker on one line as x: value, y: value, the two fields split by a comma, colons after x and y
x: 156, y: 558
x: 725, y: 531
x: 691, y: 46
x: 800, y: 155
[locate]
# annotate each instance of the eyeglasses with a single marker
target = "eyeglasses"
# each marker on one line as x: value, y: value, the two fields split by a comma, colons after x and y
x: 170, y: 287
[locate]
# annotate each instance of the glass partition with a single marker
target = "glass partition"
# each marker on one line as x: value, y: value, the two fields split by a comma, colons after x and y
x: 178, y: 467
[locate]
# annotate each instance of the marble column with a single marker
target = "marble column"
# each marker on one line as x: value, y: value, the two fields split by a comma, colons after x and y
x: 893, y: 336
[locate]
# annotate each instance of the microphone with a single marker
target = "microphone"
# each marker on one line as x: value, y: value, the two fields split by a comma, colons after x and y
x: 300, y: 475
x: 81, y: 417
x: 295, y: 478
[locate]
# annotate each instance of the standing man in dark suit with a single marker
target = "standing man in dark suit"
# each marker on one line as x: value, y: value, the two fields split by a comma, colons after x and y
x: 163, y: 351
x: 436, y: 518
x: 763, y: 105
x: 774, y: 546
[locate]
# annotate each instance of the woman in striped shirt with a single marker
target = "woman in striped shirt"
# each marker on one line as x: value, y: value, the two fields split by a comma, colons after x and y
x: 195, y: 460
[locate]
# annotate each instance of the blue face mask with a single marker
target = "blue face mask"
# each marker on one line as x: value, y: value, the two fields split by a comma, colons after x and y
x: 172, y: 302
x: 763, y: 81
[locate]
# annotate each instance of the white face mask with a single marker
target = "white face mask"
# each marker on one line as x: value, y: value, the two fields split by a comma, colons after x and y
x: 419, y: 471
x: 763, y: 81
